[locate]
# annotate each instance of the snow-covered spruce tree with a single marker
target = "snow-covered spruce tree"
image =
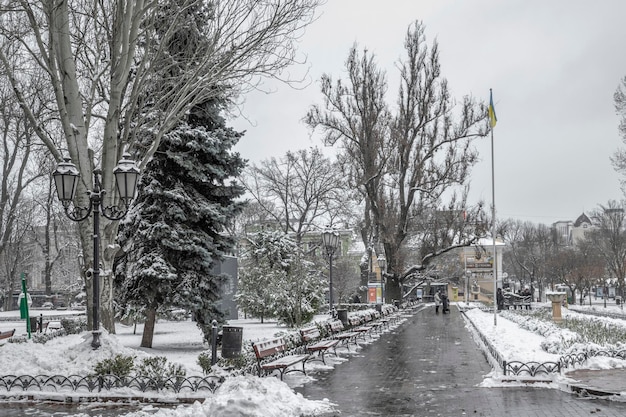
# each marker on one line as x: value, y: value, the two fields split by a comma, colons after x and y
x: 275, y: 279
x: 301, y: 293
x: 256, y: 288
x: 174, y: 236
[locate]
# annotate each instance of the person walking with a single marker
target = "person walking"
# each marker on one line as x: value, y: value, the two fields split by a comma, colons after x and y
x: 437, y: 301
x: 500, y: 299
x: 445, y: 303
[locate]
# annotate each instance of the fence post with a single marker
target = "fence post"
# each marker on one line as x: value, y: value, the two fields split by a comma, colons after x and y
x: 214, y: 342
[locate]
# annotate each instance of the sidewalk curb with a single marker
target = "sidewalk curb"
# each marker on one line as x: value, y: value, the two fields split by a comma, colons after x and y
x: 587, y: 391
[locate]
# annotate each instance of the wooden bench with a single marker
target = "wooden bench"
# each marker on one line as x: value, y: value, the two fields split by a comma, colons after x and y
x: 515, y: 300
x: 310, y: 336
x: 357, y: 325
x: 376, y: 322
x: 338, y: 332
x: 372, y: 318
x: 7, y: 334
x: 53, y: 326
x: 269, y: 359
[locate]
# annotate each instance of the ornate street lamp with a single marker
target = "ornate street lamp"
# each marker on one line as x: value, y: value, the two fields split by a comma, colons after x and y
x: 66, y: 180
x: 382, y: 263
x: 330, y: 239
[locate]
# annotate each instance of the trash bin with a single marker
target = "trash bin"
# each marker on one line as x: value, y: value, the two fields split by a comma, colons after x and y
x: 33, y: 324
x: 342, y: 314
x: 231, y: 341
x: 618, y: 300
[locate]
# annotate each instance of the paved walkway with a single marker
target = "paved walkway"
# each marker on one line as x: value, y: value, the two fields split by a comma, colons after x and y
x: 430, y: 366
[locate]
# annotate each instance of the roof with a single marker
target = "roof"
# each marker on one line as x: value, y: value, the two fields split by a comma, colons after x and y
x: 582, y: 219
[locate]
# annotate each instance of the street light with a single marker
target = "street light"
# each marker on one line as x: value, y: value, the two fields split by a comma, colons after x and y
x: 382, y: 263
x: 66, y: 179
x: 330, y: 238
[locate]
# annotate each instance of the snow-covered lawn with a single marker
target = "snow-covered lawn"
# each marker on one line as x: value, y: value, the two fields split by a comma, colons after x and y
x: 516, y: 337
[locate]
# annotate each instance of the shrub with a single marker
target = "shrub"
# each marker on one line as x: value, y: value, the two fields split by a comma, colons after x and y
x: 204, y: 360
x: 159, y: 370
x: 74, y: 326
x: 238, y: 362
x: 120, y: 366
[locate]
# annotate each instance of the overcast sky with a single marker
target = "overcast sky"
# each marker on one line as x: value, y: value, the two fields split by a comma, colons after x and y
x: 553, y: 65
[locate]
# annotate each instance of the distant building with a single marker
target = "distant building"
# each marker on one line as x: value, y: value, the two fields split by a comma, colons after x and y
x: 580, y: 228
x: 568, y: 233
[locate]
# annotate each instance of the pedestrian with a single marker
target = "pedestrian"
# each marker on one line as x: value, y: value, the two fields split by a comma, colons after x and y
x: 500, y: 299
x: 445, y: 302
x: 437, y: 301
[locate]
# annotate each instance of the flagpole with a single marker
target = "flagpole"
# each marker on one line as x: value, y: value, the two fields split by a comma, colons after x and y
x: 493, y: 120
x: 493, y: 235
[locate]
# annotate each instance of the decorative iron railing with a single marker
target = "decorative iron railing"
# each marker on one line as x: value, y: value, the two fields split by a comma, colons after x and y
x: 581, y: 357
x: 518, y: 368
x: 98, y: 383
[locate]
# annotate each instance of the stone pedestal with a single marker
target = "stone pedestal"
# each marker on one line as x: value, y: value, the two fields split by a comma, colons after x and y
x: 557, y: 299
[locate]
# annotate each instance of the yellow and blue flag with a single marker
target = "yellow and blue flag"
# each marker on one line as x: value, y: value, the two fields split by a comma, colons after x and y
x: 492, y: 111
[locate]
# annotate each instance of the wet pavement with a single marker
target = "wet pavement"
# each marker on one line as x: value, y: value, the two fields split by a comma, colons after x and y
x: 430, y: 366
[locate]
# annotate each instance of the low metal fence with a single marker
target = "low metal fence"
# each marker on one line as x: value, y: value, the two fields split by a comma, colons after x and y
x: 579, y: 358
x: 519, y: 368
x: 98, y: 383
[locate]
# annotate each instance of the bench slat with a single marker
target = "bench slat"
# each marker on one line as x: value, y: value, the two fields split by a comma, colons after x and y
x: 267, y: 349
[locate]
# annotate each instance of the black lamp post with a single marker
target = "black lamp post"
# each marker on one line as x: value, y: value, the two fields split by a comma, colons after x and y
x: 330, y: 238
x: 66, y: 179
x: 382, y: 263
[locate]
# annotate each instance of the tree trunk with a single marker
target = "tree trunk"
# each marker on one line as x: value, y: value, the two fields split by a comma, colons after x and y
x: 148, y: 328
x: 392, y: 290
x: 107, y: 313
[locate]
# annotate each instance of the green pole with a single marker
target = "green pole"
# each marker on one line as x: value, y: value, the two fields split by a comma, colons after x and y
x: 24, y: 305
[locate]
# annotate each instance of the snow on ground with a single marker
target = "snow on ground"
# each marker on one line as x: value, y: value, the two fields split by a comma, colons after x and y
x: 181, y: 342
x: 512, y: 342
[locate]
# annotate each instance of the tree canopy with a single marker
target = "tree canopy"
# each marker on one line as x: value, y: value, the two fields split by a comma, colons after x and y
x: 174, y: 236
x: 401, y: 159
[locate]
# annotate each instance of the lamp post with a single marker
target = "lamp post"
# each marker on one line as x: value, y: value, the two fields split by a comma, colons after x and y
x: 330, y: 239
x: 66, y: 179
x: 382, y: 263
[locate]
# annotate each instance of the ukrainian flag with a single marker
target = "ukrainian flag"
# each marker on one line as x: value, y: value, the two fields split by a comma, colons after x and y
x: 492, y: 111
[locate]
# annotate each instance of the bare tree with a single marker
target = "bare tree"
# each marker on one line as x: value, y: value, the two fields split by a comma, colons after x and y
x: 99, y: 56
x: 609, y: 237
x: 530, y: 246
x: 619, y: 157
x: 298, y: 191
x: 20, y: 168
x: 401, y: 161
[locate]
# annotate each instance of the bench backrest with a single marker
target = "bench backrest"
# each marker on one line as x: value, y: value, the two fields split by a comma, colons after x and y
x: 387, y: 309
x: 354, y: 320
x: 7, y: 334
x: 309, y: 334
x: 269, y: 347
x: 511, y: 298
x: 335, y: 326
x: 54, y: 325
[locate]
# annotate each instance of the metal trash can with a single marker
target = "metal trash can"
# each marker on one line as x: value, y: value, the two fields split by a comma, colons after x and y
x: 342, y: 314
x: 34, y: 322
x: 231, y: 341
x: 618, y: 300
